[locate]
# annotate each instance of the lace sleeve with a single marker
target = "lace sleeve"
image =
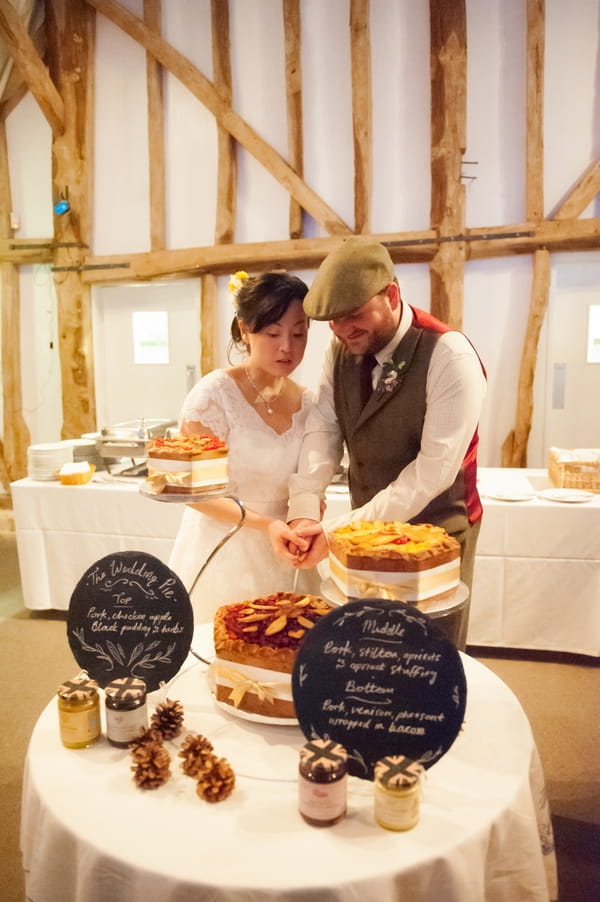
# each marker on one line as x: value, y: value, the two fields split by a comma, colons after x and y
x: 205, y: 404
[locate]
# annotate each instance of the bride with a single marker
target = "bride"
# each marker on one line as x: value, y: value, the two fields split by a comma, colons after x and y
x: 260, y: 412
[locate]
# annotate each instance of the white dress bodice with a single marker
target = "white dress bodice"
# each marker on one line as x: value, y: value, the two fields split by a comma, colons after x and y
x: 261, y: 462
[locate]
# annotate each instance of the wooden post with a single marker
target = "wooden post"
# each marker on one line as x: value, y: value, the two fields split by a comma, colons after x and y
x: 13, y: 450
x: 293, y: 90
x: 448, y: 141
x: 360, y: 48
x: 209, y: 320
x: 227, y: 161
x: 71, y: 30
x: 156, y: 136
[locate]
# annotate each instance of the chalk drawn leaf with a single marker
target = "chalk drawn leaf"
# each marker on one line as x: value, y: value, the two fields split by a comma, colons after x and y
x: 136, y: 652
x: 149, y: 662
x: 96, y: 649
x: 114, y: 652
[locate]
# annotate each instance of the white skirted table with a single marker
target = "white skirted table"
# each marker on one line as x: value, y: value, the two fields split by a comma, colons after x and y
x: 90, y: 835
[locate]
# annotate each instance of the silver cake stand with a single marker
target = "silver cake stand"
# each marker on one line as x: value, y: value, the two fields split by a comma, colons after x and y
x: 195, y: 498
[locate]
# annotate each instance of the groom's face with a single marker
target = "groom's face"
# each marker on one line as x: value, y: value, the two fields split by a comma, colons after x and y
x: 369, y: 328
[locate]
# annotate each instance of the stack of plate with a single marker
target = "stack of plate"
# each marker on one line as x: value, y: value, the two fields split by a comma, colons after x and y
x: 44, y: 461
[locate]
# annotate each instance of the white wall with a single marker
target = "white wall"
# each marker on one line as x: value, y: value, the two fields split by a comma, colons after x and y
x: 497, y: 291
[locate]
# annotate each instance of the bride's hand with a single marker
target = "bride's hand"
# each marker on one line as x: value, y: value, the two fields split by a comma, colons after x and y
x: 286, y: 542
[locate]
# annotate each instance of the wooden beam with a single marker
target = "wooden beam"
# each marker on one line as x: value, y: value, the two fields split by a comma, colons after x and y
x: 534, y: 90
x: 21, y: 250
x: 16, y: 88
x: 226, y: 117
x: 226, y: 201
x: 514, y: 448
x: 308, y: 253
x: 156, y: 134
x: 572, y: 235
x: 31, y: 68
x: 13, y: 451
x: 585, y: 190
x: 293, y: 93
x: 448, y: 49
x: 362, y: 130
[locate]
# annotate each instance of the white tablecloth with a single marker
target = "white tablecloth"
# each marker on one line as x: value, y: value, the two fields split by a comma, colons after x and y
x: 537, y: 571
x: 61, y: 530
x: 89, y: 835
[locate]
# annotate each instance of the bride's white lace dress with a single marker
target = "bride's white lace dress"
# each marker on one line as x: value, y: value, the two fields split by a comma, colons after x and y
x: 261, y: 462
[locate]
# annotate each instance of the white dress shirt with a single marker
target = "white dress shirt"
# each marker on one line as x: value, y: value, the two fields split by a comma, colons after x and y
x: 455, y: 391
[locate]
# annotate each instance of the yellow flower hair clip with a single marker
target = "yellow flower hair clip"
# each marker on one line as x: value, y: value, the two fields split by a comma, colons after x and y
x: 236, y: 281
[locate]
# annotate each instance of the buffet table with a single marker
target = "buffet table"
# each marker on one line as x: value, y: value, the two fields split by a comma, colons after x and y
x: 88, y: 834
x: 61, y: 530
x: 537, y: 572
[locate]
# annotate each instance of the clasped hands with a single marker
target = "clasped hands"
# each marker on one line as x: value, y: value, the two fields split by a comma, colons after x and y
x: 301, y: 542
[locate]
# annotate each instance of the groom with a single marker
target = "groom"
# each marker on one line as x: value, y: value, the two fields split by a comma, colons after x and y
x: 403, y: 392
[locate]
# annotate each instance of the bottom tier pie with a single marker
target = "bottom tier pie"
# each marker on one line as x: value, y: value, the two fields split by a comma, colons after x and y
x: 256, y: 643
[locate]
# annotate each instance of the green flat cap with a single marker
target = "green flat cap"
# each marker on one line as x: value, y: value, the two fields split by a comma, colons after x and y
x: 348, y: 277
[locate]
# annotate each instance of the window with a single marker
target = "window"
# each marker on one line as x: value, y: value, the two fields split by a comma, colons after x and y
x: 150, y: 331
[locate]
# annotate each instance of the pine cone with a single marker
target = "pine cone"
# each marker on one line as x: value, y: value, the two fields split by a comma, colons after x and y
x: 168, y: 719
x: 146, y: 735
x: 216, y: 780
x: 195, y: 749
x: 151, y: 767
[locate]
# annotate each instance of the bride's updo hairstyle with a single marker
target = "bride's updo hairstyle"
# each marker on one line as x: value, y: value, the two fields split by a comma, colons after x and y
x: 262, y: 300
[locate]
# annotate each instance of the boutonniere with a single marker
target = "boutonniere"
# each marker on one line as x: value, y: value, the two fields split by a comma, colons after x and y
x: 390, y: 376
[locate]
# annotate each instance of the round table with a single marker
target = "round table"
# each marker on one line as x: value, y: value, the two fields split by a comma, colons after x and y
x: 90, y: 835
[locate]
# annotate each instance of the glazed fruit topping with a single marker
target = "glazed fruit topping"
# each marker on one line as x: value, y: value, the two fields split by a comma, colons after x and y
x: 281, y: 624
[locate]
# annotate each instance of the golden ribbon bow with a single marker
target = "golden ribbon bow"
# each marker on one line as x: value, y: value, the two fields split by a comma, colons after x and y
x: 159, y: 479
x: 243, y: 684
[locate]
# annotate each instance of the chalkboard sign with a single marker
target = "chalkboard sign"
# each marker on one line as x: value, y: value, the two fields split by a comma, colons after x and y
x: 130, y: 615
x: 380, y: 678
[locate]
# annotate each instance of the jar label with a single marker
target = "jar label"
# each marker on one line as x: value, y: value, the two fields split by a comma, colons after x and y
x: 322, y: 801
x: 123, y: 726
x: 79, y: 727
x: 396, y: 811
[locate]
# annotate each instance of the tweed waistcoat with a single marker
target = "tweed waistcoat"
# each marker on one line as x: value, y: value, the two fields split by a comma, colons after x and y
x: 384, y: 436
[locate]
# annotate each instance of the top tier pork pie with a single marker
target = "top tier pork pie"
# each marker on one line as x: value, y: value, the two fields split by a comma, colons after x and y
x: 187, y: 464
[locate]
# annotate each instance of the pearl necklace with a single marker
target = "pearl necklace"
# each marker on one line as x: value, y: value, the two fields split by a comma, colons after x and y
x: 266, y: 401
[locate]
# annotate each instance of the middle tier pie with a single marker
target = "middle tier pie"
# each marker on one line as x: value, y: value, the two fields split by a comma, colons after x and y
x: 399, y: 561
x: 256, y: 643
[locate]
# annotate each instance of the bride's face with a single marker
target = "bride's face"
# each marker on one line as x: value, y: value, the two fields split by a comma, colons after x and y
x: 279, y: 348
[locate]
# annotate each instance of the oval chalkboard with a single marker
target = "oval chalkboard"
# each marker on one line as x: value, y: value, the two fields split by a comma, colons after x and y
x: 380, y: 678
x: 130, y: 615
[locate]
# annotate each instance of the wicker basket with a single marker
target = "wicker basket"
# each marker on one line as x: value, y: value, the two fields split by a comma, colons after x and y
x: 576, y: 473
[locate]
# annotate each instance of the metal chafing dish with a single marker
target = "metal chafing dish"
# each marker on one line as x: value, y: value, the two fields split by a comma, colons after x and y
x: 129, y: 439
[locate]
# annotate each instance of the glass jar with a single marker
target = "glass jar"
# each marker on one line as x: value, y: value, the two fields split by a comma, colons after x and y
x: 79, y: 713
x: 322, y: 782
x: 397, y: 783
x: 125, y: 708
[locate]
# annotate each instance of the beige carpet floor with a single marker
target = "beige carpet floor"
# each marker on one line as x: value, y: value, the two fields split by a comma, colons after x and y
x: 560, y: 697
